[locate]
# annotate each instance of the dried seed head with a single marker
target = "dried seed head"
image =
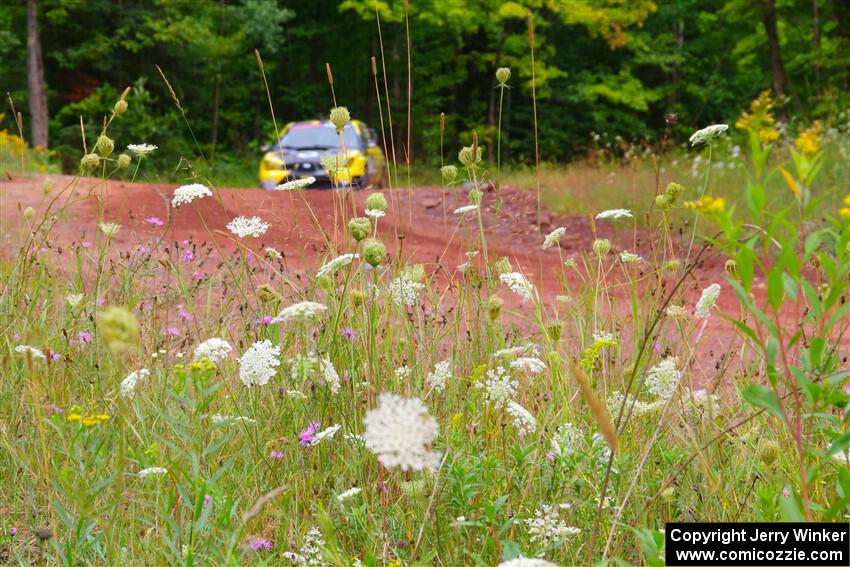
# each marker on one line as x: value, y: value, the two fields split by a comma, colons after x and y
x: 89, y: 162
x: 120, y: 107
x: 449, y: 173
x: 374, y: 252
x: 359, y: 228
x: 340, y: 117
x: 503, y: 75
x: 376, y: 202
x: 124, y: 160
x: 104, y: 145
x: 465, y: 156
x: 601, y: 246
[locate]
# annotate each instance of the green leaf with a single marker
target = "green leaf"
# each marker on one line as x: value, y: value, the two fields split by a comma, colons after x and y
x: 765, y: 398
x: 775, y: 287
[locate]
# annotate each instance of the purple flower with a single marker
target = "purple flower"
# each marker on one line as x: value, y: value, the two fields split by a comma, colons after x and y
x: 144, y: 250
x: 53, y: 355
x: 53, y: 408
x: 188, y: 255
x: 276, y: 454
x: 348, y: 333
x: 44, y: 249
x: 173, y: 331
x: 265, y: 320
x: 259, y: 543
x: 183, y: 314
x: 85, y: 337
x: 197, y: 276
x: 207, y: 500
x: 13, y: 531
x: 101, y: 301
x: 306, y: 437
x: 86, y: 244
x: 156, y: 221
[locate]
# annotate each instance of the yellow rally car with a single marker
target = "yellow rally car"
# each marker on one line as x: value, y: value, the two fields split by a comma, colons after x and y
x: 302, y: 145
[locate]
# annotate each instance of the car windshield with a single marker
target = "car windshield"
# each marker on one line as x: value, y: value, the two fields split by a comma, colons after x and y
x: 317, y: 137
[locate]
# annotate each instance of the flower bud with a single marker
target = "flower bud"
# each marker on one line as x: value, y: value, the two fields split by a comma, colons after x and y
x: 376, y: 202
x: 671, y: 266
x: 503, y: 75
x: 374, y: 252
x: 554, y: 331
x: 449, y: 173
x: 475, y: 196
x: 89, y: 162
x: 503, y: 266
x: 120, y: 107
x: 663, y: 202
x: 104, y: 145
x: 674, y: 190
x: 340, y: 117
x: 28, y: 213
x: 494, y: 305
x: 601, y: 246
x: 768, y: 451
x: 465, y: 156
x: 357, y: 297
x: 118, y: 328
x: 731, y: 267
x: 266, y: 294
x: 124, y: 160
x: 359, y: 228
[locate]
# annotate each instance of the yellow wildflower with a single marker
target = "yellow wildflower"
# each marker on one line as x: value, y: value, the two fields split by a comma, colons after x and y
x: 760, y: 119
x: 707, y: 205
x: 808, y: 141
x: 844, y: 212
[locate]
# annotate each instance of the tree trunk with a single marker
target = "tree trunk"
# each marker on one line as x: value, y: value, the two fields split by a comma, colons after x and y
x: 36, y: 87
x: 768, y: 19
x: 216, y: 103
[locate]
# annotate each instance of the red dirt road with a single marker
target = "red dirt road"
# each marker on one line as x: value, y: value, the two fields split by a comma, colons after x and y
x: 435, y: 236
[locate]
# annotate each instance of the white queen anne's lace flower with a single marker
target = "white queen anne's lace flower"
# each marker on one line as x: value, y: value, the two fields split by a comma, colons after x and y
x: 350, y: 493
x: 499, y: 387
x: 152, y: 471
x: 375, y: 213
x: 128, y: 384
x: 324, y: 434
x: 187, y: 193
x: 627, y: 257
x: 662, y: 379
x: 245, y: 226
x: 401, y: 433
x: 554, y: 237
x: 529, y: 364
x: 36, y: 353
x: 141, y: 150
x: 218, y: 419
x: 527, y: 562
x: 523, y: 420
x: 466, y: 209
x: 566, y: 440
x: 707, y: 301
x: 302, y: 311
x: 708, y: 133
x: 335, y: 264
x: 440, y: 376
x: 214, y: 349
x: 547, y: 527
x: 259, y: 363
x: 404, y: 292
x: 330, y: 374
x: 296, y: 184
x: 310, y: 553
x: 614, y: 214
x: 518, y: 284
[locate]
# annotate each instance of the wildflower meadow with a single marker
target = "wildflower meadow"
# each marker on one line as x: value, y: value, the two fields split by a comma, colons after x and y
x: 474, y: 374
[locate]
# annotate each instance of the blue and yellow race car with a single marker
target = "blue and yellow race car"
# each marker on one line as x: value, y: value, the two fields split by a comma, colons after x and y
x: 302, y: 145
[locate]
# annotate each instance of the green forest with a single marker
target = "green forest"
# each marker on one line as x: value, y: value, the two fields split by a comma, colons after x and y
x: 606, y: 72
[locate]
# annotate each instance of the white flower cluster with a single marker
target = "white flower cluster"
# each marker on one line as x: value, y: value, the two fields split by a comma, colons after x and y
x: 566, y: 440
x: 603, y: 337
x: 142, y: 150
x: 259, y: 363
x: 335, y: 264
x: 554, y: 237
x: 529, y: 365
x: 440, y: 376
x: 128, y: 384
x: 152, y: 471
x: 214, y: 349
x: 528, y: 349
x: 109, y: 228
x: 218, y: 419
x: 523, y: 420
x: 324, y: 434
x: 296, y: 184
x: 662, y: 379
x: 310, y: 553
x: 36, y: 353
x: 708, y: 133
x: 401, y: 433
x: 547, y: 527
x: 617, y: 400
x: 627, y: 257
x: 375, y: 213
x: 403, y: 373
x: 302, y: 311
x: 330, y: 374
x: 499, y: 387
x: 350, y: 493
x: 273, y: 253
x: 517, y: 283
x: 185, y: 194
x: 466, y: 209
x: 707, y: 301
x: 614, y: 214
x: 244, y: 226
x: 404, y: 292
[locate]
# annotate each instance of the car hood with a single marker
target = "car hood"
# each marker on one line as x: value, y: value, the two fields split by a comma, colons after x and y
x: 299, y: 156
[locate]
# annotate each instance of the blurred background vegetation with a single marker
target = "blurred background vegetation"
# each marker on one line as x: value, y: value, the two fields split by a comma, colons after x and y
x: 609, y: 73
